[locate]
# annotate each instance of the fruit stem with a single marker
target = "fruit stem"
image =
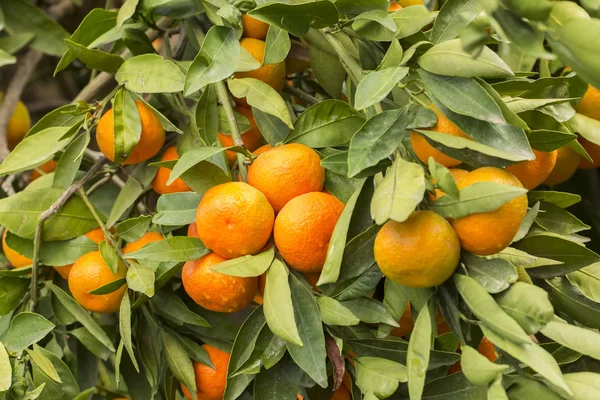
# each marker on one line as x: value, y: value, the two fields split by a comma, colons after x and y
x: 107, y: 235
x: 223, y: 96
x: 61, y: 201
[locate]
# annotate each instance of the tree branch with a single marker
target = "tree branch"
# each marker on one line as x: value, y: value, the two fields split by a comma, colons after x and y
x: 61, y: 201
x: 300, y: 94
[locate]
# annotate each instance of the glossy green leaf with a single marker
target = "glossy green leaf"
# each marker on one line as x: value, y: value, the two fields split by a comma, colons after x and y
x: 297, y: 18
x: 311, y: 355
x: 207, y: 115
x: 410, y: 20
x: 140, y: 278
x: 109, y: 256
x: 172, y: 307
x: 248, y: 265
x: 44, y: 364
x: 326, y: 124
x: 370, y: 311
x: 583, y: 384
x: 488, y: 311
x: 192, y: 158
x: 477, y: 368
x: 125, y: 328
x: 477, y: 198
x: 133, y: 229
x: 278, y: 307
x: 25, y: 329
x: 453, y: 17
x: 5, y: 370
x: 95, y: 59
x: 140, y: 178
x: 335, y: 313
x: 277, y: 45
x: 443, y: 179
x: 177, y: 248
x: 379, y: 376
x: 494, y: 275
x: 580, y: 339
x: 417, y: 358
x: 52, y: 389
x: 375, y: 25
x: 335, y: 250
x: 70, y: 161
x: 12, y: 291
x: 449, y: 58
x: 262, y: 96
x: 216, y: 60
x: 179, y: 362
x: 374, y: 87
x: 203, y: 176
x: 399, y: 193
x: 127, y: 125
x: 150, y: 73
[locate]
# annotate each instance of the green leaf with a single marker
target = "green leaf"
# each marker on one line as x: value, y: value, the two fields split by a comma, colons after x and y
x: 419, y: 347
x: 583, y: 384
x: 358, y: 6
x: 520, y: 34
x: 262, y: 96
x: 325, y: 63
x: 587, y: 280
x: 399, y: 193
x: 549, y: 140
x: 534, y: 356
x: 278, y: 307
x: 494, y: 275
x: 463, y: 96
x: 443, y: 178
x: 140, y: 179
x: 449, y: 58
x: 297, y: 18
x: 175, y: 209
x: 242, y: 122
x: 150, y: 73
x: 164, y: 121
x: 81, y: 315
x: 570, y: 43
x: 133, y: 229
x: 375, y: 87
x: 127, y: 125
x: 393, y: 56
x: 335, y: 313
x: 410, y: 20
x: 279, y: 382
x: 453, y: 17
x: 70, y: 161
x: 548, y: 245
x: 12, y: 291
x: 25, y: 329
x: 375, y: 25
x: 335, y: 250
x: 126, y: 11
x: 580, y: 339
x: 5, y: 370
x: 44, y: 364
x: 68, y: 389
x: 488, y: 311
x: 376, y: 140
x: 277, y: 45
x: 177, y: 248
x: 109, y: 255
x: 477, y: 368
x: 140, y: 278
x: 35, y: 150
x: 555, y: 219
x: 109, y: 287
x: 568, y: 298
x: 194, y: 350
x: 326, y: 124
x: 496, y: 391
x: 272, y: 128
x: 95, y: 59
x: 125, y: 328
x: 6, y: 58
x: 310, y: 355
x: 179, y: 362
x: 370, y: 311
x: 207, y: 115
x: 91, y: 343
x: 379, y: 376
x: 191, y: 158
x: 245, y: 340
x: 247, y: 265
x: 477, y: 198
x: 216, y: 60
x: 203, y: 176
x: 172, y: 307
x: 22, y: 17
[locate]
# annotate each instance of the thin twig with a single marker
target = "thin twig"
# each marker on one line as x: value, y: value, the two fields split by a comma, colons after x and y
x: 27, y: 64
x: 37, y: 241
x: 300, y: 94
x: 107, y: 235
x: 223, y: 96
x: 7, y: 184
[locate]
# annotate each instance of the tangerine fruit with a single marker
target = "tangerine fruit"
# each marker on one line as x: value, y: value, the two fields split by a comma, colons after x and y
x: 303, y: 229
x: 399, y: 250
x: 216, y: 291
x: 95, y: 236
x: 589, y: 105
x: 210, y: 382
x: 532, y: 173
x: 15, y: 259
x: 18, y: 124
x: 159, y: 183
x: 148, y: 237
x: 234, y: 219
x: 567, y: 161
x: 271, y: 74
x: 594, y: 152
x: 46, y: 168
x: 89, y: 273
x: 285, y: 172
x: 394, y: 6
x: 490, y: 232
x: 254, y: 28
x: 151, y: 140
